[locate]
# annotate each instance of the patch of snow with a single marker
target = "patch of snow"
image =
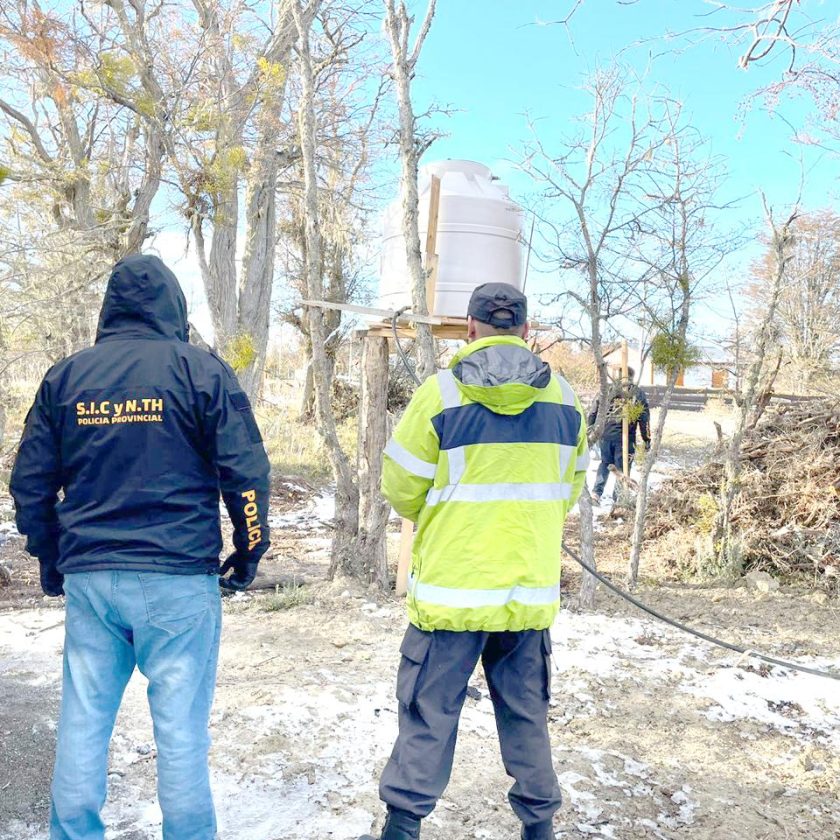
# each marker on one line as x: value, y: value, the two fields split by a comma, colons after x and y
x: 591, y: 817
x: 583, y: 801
x: 294, y: 488
x: 317, y: 513
x: 8, y: 529
x: 589, y: 647
x: 811, y: 703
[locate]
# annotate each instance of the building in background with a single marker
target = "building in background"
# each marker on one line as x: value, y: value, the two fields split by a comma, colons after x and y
x: 714, y: 369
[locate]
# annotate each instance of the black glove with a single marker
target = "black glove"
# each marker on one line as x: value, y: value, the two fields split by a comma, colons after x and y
x: 646, y: 442
x: 244, y: 572
x: 52, y: 581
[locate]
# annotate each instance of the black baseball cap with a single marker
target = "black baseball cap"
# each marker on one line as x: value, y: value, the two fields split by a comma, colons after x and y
x: 498, y: 304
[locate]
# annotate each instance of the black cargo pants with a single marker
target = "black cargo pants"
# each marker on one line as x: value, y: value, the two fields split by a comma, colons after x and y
x: 431, y: 688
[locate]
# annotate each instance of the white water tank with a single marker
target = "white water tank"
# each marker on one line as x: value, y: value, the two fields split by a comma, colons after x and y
x: 479, y: 238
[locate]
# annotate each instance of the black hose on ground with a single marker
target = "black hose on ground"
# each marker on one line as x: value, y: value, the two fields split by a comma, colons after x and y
x: 686, y: 629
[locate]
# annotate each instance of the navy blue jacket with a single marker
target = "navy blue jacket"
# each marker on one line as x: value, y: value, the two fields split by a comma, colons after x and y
x: 618, y: 396
x: 141, y: 432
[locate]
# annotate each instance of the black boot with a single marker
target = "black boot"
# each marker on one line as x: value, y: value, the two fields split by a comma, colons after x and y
x: 539, y: 831
x: 400, y: 825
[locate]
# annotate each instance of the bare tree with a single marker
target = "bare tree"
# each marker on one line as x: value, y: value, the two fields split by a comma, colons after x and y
x: 725, y: 542
x: 603, y: 190
x: 347, y: 498
x: 808, y: 308
x: 220, y: 100
x: 358, y: 546
x: 804, y: 45
x: 242, y: 145
x: 350, y: 141
x: 81, y: 170
x: 680, y: 249
x: 801, y: 39
x: 405, y: 56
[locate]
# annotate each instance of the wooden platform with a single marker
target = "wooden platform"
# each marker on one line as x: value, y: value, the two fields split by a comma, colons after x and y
x: 443, y: 326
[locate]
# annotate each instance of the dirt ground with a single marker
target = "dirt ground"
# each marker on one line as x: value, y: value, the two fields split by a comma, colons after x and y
x: 656, y: 734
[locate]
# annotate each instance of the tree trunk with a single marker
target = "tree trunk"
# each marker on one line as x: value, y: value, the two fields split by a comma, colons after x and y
x: 398, y: 25
x: 644, y: 484
x: 586, y: 596
x: 411, y: 230
x: 729, y: 558
x: 343, y: 556
x: 373, y: 435
x: 258, y: 261
x: 682, y: 286
x: 307, y: 402
x: 240, y: 306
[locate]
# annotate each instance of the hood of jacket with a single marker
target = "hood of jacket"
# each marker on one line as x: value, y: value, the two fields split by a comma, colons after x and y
x: 501, y: 373
x: 143, y: 300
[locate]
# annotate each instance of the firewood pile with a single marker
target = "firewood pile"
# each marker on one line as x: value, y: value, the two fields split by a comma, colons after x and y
x: 787, y: 515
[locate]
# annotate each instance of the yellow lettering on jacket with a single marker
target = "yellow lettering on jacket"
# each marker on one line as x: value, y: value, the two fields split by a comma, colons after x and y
x: 252, y: 514
x: 111, y: 413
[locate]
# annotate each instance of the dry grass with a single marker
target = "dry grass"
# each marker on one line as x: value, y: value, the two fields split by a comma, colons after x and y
x: 295, y: 447
x: 689, y: 438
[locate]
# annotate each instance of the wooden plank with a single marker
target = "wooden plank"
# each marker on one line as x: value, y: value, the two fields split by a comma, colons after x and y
x: 405, y: 320
x: 434, y: 212
x: 431, y: 244
x: 431, y: 281
x: 407, y: 317
x: 449, y: 332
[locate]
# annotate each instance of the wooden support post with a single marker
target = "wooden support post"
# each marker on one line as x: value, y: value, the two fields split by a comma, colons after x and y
x: 625, y: 423
x: 431, y: 244
x: 373, y: 435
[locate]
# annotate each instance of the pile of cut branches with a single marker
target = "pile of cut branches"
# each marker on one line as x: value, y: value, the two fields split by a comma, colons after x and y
x: 787, y: 515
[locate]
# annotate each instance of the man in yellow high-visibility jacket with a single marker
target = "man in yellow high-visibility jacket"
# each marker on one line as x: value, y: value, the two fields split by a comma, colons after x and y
x: 488, y: 458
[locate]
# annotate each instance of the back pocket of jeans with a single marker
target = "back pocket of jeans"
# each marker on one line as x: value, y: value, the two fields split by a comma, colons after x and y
x: 175, y: 602
x: 415, y: 650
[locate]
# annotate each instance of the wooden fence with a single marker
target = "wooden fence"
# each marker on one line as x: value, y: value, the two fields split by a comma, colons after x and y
x: 695, y: 399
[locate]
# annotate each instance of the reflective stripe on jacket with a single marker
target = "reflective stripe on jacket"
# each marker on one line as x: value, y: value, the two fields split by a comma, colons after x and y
x: 488, y: 458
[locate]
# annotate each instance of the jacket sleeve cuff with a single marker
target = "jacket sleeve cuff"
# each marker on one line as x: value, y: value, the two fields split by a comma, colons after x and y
x: 45, y: 550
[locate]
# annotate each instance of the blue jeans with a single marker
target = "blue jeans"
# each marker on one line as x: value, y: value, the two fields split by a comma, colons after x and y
x: 168, y: 626
x: 611, y: 453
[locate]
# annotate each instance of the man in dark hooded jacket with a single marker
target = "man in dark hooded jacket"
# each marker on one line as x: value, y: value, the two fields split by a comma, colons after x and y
x: 623, y: 397
x: 140, y: 433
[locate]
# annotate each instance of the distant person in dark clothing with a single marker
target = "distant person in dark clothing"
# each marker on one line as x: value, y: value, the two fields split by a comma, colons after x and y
x: 141, y: 433
x: 622, y: 394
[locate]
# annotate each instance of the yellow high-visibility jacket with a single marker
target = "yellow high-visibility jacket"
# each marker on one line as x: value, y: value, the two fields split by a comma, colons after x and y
x: 488, y: 458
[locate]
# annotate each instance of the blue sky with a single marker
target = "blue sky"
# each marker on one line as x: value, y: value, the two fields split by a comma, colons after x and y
x: 494, y: 63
